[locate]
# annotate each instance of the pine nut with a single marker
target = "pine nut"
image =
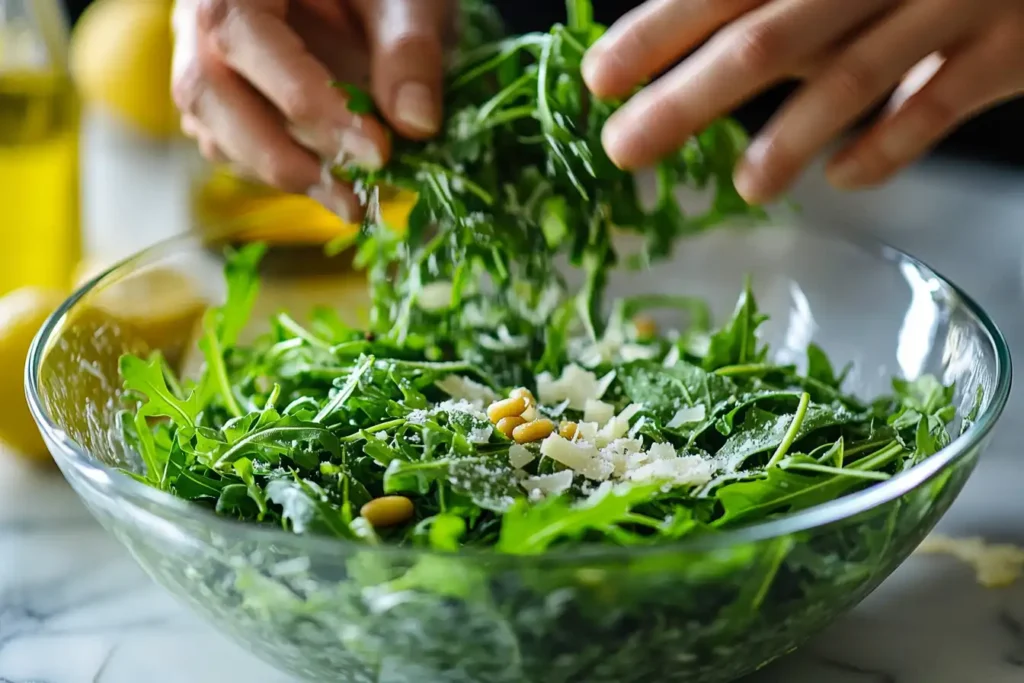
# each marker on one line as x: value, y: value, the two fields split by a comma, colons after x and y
x: 645, y: 327
x: 387, y: 511
x: 533, y: 431
x: 506, y: 425
x: 509, y: 407
x: 567, y: 430
x: 525, y: 394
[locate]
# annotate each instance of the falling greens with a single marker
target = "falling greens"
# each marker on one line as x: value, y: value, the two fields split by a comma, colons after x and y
x: 657, y: 435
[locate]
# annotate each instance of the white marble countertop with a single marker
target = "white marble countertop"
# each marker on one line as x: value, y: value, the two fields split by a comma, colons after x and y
x: 74, y: 607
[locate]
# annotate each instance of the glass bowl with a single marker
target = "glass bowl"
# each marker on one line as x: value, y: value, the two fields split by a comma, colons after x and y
x: 704, y: 610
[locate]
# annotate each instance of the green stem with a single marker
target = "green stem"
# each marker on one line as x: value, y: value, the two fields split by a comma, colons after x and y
x: 382, y: 427
x: 838, y: 471
x: 794, y: 429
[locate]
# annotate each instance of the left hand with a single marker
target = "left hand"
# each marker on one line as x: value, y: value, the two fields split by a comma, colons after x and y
x: 947, y: 60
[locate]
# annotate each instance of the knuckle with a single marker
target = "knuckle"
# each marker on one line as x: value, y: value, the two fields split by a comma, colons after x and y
x: 279, y: 170
x: 298, y: 104
x: 934, y: 114
x: 187, y: 86
x: 211, y: 15
x: 758, y: 46
x: 854, y: 79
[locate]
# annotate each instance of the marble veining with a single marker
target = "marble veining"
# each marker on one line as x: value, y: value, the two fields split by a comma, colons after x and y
x: 74, y: 607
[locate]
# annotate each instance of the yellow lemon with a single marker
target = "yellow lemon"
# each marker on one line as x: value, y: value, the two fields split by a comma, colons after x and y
x: 160, y: 304
x: 22, y: 313
x: 121, y: 60
x: 228, y: 205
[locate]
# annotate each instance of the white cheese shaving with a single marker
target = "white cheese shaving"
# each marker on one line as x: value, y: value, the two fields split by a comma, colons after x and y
x: 459, y: 387
x: 579, y: 456
x: 520, y: 456
x: 661, y: 451
x: 672, y: 357
x: 995, y: 565
x: 575, y: 385
x: 586, y: 431
x: 632, y: 352
x: 435, y: 296
x: 618, y: 426
x: 688, y: 470
x: 619, y: 453
x: 547, y: 484
x: 598, y: 411
x: 686, y: 415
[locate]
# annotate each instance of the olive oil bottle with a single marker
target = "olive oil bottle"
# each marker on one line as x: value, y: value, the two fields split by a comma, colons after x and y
x: 40, y: 236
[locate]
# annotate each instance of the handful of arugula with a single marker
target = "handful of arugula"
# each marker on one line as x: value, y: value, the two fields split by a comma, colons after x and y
x: 637, y: 437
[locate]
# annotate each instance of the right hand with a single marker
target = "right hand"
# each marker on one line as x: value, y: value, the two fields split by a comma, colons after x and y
x: 252, y: 79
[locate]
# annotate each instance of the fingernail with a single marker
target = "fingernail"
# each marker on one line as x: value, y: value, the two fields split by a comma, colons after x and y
x: 845, y: 173
x: 749, y: 173
x: 623, y: 137
x: 415, y: 106
x: 358, y: 148
x: 336, y: 200
x: 590, y: 61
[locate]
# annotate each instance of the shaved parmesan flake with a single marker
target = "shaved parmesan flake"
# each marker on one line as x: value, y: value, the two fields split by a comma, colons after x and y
x: 619, y: 452
x: 587, y: 431
x: 459, y: 387
x: 686, y: 415
x: 995, y: 565
x: 579, y: 456
x: 520, y: 456
x: 575, y: 385
x: 632, y: 352
x: 689, y: 470
x: 547, y: 484
x: 435, y: 296
x: 661, y: 451
x: 598, y: 411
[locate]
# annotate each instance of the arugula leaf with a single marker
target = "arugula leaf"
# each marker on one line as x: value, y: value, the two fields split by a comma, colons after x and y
x: 530, y: 529
x: 736, y: 342
x: 147, y: 378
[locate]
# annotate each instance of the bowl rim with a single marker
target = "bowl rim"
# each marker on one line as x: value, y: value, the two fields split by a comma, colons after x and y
x: 110, y: 480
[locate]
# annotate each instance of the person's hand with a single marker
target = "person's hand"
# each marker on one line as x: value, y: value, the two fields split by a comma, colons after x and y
x: 946, y: 59
x: 252, y: 79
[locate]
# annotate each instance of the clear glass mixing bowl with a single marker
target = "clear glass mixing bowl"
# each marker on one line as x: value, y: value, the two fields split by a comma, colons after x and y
x: 704, y: 610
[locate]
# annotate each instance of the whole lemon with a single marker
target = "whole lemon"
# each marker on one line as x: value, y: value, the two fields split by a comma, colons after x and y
x: 22, y: 313
x: 121, y: 60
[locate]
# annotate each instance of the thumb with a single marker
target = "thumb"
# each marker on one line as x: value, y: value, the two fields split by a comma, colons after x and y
x: 407, y: 60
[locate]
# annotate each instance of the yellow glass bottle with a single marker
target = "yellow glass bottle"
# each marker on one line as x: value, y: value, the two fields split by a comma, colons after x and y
x: 39, y: 130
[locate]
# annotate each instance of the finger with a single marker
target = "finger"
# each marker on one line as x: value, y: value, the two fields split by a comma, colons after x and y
x: 754, y: 52
x: 829, y: 104
x: 210, y: 150
x: 651, y: 37
x: 254, y: 38
x: 969, y: 81
x: 249, y: 130
x: 407, y: 60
